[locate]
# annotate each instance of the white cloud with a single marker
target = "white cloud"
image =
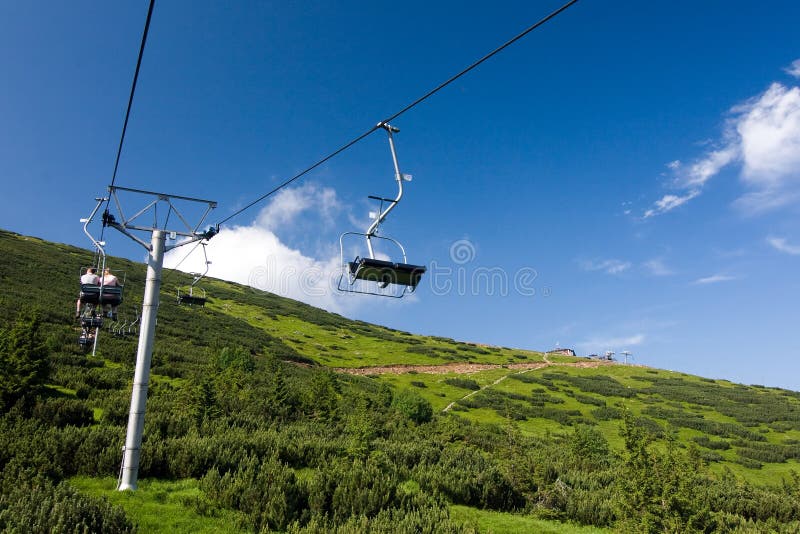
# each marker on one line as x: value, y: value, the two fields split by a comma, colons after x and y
x: 769, y: 132
x: 762, y: 136
x: 757, y: 202
x: 769, y: 127
x: 288, y: 204
x: 657, y: 267
x: 601, y: 344
x: 794, y: 68
x: 709, y: 166
x: 714, y: 279
x: 782, y: 245
x: 254, y: 255
x: 669, y: 203
x: 610, y: 266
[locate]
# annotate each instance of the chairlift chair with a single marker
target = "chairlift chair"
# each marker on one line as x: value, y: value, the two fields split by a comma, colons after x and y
x: 86, y: 340
x: 98, y: 296
x: 95, y: 297
x: 192, y: 295
x: 393, y: 278
x: 133, y: 328
x: 120, y: 328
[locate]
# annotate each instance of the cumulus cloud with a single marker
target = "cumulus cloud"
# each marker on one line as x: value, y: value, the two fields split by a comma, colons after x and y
x: 782, y: 245
x: 769, y: 132
x: 609, y: 266
x: 714, y: 279
x: 288, y: 204
x: 255, y: 255
x: 762, y: 137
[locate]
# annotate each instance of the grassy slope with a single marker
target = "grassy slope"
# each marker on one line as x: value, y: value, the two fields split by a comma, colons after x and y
x: 260, y: 321
x: 579, y: 404
x: 343, y: 343
x: 499, y: 522
x: 162, y: 506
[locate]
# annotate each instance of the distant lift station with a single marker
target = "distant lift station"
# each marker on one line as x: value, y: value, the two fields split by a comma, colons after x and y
x: 371, y: 275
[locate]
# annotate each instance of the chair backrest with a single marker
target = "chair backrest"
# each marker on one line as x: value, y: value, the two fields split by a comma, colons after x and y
x: 111, y: 295
x: 90, y: 293
x: 94, y: 294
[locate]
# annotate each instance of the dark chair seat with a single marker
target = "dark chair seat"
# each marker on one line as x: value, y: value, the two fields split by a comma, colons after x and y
x: 386, y: 272
x: 111, y: 295
x: 92, y: 294
x: 92, y: 322
x: 191, y: 300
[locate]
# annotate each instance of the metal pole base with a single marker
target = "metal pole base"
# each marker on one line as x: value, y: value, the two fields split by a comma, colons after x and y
x: 129, y: 472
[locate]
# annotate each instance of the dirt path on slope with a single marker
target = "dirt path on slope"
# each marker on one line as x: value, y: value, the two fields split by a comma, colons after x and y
x: 467, y: 368
x: 463, y: 368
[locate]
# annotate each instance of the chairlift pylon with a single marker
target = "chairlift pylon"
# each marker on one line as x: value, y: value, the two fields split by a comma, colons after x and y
x: 403, y: 277
x: 193, y: 295
x: 131, y: 225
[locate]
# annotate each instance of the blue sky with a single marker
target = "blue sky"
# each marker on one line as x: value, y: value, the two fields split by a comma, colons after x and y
x: 631, y: 170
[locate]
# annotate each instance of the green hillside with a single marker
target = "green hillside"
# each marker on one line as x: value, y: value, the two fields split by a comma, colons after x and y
x: 268, y: 414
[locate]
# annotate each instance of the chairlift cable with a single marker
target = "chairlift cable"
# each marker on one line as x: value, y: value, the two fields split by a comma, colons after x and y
x: 174, y: 269
x: 300, y: 174
x: 488, y: 56
x: 413, y: 104
x: 130, y: 101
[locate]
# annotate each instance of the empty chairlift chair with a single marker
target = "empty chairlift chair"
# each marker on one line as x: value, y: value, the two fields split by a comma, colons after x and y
x: 376, y: 276
x: 193, y: 295
x: 133, y: 328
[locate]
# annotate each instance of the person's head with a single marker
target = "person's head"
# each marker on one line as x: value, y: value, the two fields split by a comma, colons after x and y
x: 107, y: 271
x: 91, y: 270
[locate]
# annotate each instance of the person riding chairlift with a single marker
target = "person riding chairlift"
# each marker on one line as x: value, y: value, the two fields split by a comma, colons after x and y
x: 90, y: 278
x: 109, y: 280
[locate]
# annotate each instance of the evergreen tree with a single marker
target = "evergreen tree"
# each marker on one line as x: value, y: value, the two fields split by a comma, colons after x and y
x: 660, y: 491
x: 280, y: 399
x: 23, y: 360
x: 204, y: 402
x: 413, y: 406
x: 322, y: 400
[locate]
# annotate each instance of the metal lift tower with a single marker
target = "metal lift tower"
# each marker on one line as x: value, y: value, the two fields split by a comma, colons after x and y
x: 184, y: 234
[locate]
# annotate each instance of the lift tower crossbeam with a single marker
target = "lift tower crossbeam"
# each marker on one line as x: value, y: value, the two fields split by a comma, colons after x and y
x: 129, y: 471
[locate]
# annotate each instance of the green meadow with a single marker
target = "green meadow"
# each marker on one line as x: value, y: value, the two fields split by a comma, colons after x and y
x: 265, y: 414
